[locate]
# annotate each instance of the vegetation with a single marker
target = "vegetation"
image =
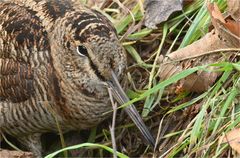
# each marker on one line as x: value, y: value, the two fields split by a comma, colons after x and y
x: 186, y: 124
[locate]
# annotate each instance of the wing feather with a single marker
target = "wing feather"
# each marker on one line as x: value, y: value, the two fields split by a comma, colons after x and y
x: 16, y: 80
x: 24, y: 47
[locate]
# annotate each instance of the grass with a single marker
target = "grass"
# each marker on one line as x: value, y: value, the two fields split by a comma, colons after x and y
x: 194, y: 135
x: 89, y: 145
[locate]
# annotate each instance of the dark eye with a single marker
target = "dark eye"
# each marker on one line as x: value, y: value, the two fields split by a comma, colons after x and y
x: 82, y: 50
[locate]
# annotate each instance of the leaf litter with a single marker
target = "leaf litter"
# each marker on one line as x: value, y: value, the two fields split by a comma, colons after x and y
x: 220, y: 44
x: 233, y: 139
x: 15, y: 154
x: 158, y: 11
x: 206, y: 50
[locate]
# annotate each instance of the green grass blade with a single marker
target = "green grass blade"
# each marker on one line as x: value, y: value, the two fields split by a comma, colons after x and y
x: 224, y: 108
x: 86, y: 145
x: 165, y: 83
x: 184, y: 105
x: 149, y: 100
x: 196, y: 131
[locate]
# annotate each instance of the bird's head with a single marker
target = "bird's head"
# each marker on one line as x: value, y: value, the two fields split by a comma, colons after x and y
x: 92, y: 45
x: 99, y: 44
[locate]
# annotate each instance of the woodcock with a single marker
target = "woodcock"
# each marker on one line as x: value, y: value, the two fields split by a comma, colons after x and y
x: 57, y: 61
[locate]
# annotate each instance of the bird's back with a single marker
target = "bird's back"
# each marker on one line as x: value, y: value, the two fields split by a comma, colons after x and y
x: 25, y: 69
x: 30, y: 90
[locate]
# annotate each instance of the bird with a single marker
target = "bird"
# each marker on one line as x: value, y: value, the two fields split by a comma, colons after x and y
x: 58, y: 61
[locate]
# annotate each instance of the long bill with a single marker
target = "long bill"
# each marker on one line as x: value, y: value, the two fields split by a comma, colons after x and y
x: 132, y: 112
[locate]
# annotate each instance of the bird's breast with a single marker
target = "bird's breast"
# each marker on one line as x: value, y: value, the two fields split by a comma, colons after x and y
x: 87, y: 104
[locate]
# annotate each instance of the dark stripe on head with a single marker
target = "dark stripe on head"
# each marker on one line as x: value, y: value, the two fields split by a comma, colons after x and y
x: 79, y: 17
x: 105, y: 20
x: 96, y: 30
x: 82, y: 25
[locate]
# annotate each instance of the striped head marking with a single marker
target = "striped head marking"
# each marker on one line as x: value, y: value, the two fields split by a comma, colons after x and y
x: 91, y: 39
x: 79, y: 35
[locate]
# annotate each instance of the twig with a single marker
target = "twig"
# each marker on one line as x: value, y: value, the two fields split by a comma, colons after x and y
x: 112, y: 128
x: 133, y: 19
x: 159, y: 132
x: 52, y: 111
x: 9, y: 143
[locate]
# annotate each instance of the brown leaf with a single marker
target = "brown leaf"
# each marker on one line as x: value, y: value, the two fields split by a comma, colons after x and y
x: 207, y: 43
x: 233, y: 27
x: 194, y: 55
x: 15, y: 154
x: 234, y: 9
x: 225, y: 27
x: 215, y: 13
x: 199, y: 82
x: 158, y: 11
x: 233, y: 139
x: 202, y: 52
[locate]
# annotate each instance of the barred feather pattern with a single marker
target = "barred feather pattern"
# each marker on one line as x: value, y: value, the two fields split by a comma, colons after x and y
x: 42, y: 76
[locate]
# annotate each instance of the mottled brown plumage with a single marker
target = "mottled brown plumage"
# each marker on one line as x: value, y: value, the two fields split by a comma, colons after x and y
x: 56, y: 56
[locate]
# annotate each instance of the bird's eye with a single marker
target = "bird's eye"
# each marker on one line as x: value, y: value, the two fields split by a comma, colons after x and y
x: 82, y: 50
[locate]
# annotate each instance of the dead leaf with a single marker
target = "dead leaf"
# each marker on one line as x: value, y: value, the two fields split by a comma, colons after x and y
x: 195, y: 54
x: 233, y: 139
x: 199, y: 82
x: 206, y: 50
x: 15, y: 154
x: 233, y: 9
x: 215, y: 12
x: 207, y: 43
x: 158, y: 11
x: 216, y: 17
x: 227, y: 29
x: 233, y: 27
